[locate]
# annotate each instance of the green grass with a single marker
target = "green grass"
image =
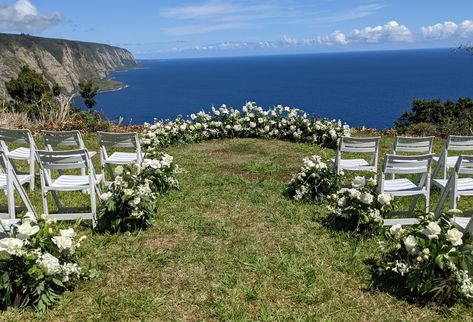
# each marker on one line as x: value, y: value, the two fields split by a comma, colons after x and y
x: 231, y: 246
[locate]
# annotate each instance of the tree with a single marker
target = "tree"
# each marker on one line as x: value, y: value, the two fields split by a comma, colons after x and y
x: 29, y: 87
x: 56, y: 89
x: 88, y: 90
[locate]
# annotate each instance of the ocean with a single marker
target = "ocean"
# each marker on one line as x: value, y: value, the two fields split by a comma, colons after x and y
x: 369, y: 89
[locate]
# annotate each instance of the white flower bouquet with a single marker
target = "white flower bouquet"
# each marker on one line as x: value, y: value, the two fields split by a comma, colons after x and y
x: 315, y: 181
x: 252, y: 121
x: 359, y: 208
x: 38, y: 262
x: 432, y: 260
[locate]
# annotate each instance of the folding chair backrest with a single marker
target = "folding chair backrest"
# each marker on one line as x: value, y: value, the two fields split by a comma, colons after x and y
x: 359, y: 145
x: 15, y: 136
x: 464, y: 164
x: 459, y: 143
x: 119, y: 140
x: 407, y: 164
x: 64, y: 160
x: 419, y: 145
x: 63, y: 139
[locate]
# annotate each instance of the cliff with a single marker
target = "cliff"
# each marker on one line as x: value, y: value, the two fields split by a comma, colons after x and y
x: 65, y: 62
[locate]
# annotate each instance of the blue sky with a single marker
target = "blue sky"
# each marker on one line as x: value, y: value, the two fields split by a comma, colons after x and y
x: 205, y: 28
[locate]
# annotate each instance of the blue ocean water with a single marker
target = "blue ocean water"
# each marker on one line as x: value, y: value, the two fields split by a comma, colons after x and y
x: 365, y: 88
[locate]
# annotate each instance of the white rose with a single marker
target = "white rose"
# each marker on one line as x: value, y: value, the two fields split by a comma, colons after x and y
x: 135, y: 202
x: 455, y: 236
x: 411, y: 244
x: 29, y: 217
x: 396, y: 230
x: 106, y: 195
x: 252, y: 125
x: 25, y: 230
x: 358, y: 182
x: 12, y: 246
x: 432, y: 230
x: 63, y: 243
x: 118, y: 170
x: 354, y: 194
x: 341, y: 202
x: 67, y: 232
x: 384, y: 199
x: 366, y: 198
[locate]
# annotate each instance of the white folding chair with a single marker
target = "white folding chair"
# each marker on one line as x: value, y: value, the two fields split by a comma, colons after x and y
x: 406, y: 165
x: 456, y: 186
x: 11, y: 182
x: 118, y: 140
x: 369, y: 145
x: 62, y: 161
x: 445, y: 162
x: 22, y: 153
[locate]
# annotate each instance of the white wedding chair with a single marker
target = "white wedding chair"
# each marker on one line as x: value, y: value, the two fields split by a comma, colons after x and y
x: 25, y: 152
x: 445, y: 162
x: 62, y: 161
x: 419, y: 165
x: 455, y: 186
x: 368, y: 145
x: 11, y: 182
x: 118, y: 141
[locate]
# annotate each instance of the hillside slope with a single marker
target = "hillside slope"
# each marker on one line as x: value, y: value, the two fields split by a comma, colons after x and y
x: 65, y: 62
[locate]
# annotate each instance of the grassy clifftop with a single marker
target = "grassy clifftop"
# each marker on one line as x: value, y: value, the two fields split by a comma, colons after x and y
x: 61, y: 61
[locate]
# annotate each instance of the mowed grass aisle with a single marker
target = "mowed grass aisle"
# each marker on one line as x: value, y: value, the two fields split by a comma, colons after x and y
x: 231, y: 246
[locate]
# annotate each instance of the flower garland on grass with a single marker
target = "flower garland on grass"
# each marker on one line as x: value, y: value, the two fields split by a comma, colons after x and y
x: 38, y: 263
x: 130, y: 202
x: 359, y: 208
x: 315, y: 181
x: 432, y: 259
x: 283, y: 123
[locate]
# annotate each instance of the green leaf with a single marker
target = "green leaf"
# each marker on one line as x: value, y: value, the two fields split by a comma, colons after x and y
x: 440, y: 261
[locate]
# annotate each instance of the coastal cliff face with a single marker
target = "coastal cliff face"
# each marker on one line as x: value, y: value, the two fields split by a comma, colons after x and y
x: 64, y: 62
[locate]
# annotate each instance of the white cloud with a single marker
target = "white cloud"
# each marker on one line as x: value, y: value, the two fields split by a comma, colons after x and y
x: 448, y: 29
x: 391, y: 31
x: 22, y: 16
x: 186, y: 30
x: 335, y: 38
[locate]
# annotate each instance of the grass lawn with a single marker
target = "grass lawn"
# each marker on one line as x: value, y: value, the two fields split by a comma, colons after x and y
x: 231, y: 246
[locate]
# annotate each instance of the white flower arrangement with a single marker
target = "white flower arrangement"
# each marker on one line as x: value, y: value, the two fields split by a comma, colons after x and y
x: 38, y: 262
x: 315, y: 181
x: 252, y: 121
x: 358, y: 208
x: 432, y: 259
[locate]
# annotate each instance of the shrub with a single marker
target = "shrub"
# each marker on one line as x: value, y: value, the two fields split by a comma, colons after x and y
x: 359, y: 208
x: 38, y: 263
x: 432, y: 260
x: 315, y: 181
x: 444, y: 117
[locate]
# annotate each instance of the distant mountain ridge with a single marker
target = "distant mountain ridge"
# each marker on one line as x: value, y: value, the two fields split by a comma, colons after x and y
x: 65, y: 62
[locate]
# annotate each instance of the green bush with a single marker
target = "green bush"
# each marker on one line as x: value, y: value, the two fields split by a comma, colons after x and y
x: 434, y: 117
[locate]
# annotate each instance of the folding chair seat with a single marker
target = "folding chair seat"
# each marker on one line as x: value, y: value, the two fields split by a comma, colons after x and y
x: 62, y: 161
x: 117, y: 141
x: 446, y: 162
x: 22, y: 153
x: 368, y: 146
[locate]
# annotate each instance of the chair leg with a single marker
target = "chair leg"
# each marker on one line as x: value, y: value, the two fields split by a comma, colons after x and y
x: 414, y: 201
x: 427, y: 203
x: 32, y: 176
x: 45, y: 203
x: 453, y: 200
x: 93, y: 206
x: 56, y: 200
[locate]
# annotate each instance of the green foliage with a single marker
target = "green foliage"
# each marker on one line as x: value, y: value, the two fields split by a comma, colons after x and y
x: 432, y: 259
x: 439, y: 118
x: 56, y: 89
x: 315, y: 181
x: 88, y: 90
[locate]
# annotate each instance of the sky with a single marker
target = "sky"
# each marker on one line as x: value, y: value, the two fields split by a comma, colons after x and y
x: 154, y: 29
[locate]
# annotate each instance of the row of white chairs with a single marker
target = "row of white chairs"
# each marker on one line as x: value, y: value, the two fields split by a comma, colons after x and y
x: 55, y: 166
x: 419, y: 163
